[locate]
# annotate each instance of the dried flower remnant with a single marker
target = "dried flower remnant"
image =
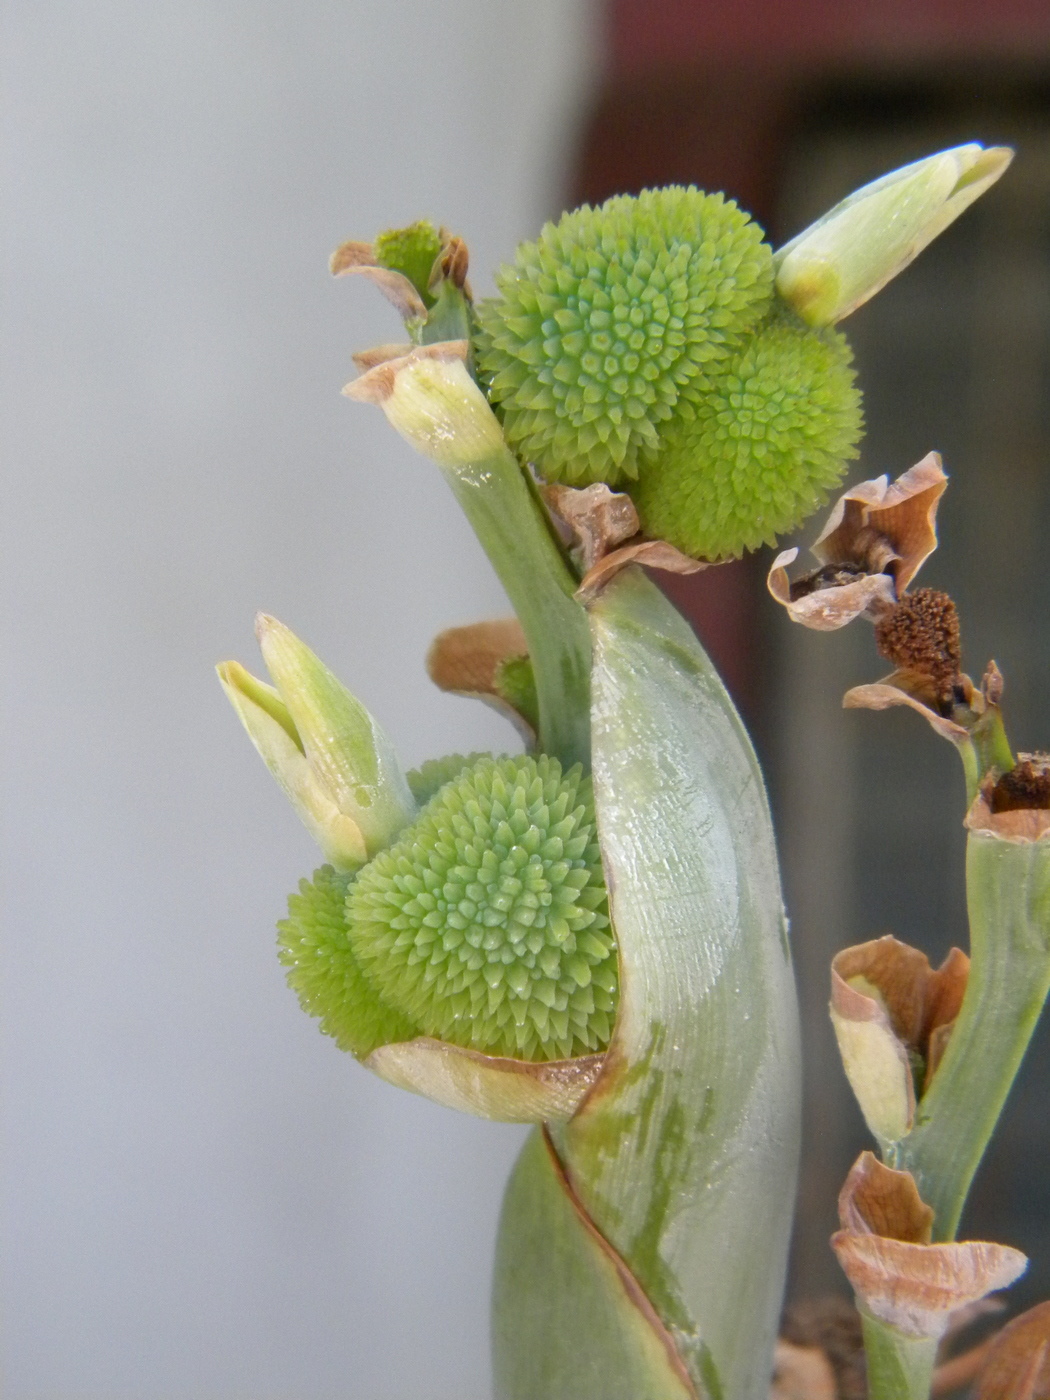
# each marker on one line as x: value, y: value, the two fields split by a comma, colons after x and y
x: 877, y: 537
x: 898, y: 1277
x: 1025, y: 788
x: 893, y: 1014
x: 1014, y: 808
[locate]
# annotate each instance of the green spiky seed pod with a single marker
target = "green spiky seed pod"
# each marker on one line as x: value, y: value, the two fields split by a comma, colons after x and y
x: 770, y: 439
x: 412, y: 251
x: 425, y: 780
x: 487, y: 922
x: 611, y: 318
x: 324, y: 973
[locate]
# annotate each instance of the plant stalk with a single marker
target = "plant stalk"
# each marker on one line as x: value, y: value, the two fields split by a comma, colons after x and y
x: 513, y: 531
x: 899, y: 1367
x: 1008, y: 893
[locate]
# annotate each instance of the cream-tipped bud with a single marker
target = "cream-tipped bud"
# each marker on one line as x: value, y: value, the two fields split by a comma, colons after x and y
x: 335, y: 764
x: 429, y: 396
x: 850, y: 253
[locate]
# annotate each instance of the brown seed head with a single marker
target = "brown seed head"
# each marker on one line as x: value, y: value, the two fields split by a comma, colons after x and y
x: 921, y: 635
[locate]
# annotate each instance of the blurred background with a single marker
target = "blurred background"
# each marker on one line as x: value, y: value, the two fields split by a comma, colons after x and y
x: 204, y: 1199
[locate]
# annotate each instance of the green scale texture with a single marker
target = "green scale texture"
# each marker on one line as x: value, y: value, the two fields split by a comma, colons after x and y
x: 770, y: 439
x: 325, y: 974
x: 486, y: 923
x: 611, y: 321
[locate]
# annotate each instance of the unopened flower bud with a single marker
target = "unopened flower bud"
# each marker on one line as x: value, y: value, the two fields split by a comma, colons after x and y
x: 332, y: 760
x: 850, y: 253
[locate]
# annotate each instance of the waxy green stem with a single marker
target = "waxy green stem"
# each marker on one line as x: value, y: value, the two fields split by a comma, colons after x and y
x: 899, y: 1367
x: 1008, y: 891
x: 513, y: 530
x: 430, y: 397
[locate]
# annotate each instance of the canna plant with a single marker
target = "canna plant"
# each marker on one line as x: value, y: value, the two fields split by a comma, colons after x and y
x: 589, y: 936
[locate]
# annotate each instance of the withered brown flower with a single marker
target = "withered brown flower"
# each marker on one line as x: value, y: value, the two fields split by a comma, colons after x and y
x: 875, y: 541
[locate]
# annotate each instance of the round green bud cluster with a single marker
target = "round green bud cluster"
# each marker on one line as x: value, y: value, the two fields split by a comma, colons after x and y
x: 486, y: 923
x: 611, y: 321
x: 326, y: 976
x: 769, y: 440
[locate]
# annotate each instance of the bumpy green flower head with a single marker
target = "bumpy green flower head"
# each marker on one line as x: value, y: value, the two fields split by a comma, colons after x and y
x: 487, y: 923
x: 770, y: 438
x: 325, y: 974
x: 611, y: 319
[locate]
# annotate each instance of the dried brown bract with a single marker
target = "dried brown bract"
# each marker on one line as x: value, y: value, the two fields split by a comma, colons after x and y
x: 893, y: 1015
x: 359, y: 258
x: 603, y: 528
x: 467, y: 661
x: 899, y: 1277
x: 596, y: 518
x: 877, y: 537
x: 971, y: 710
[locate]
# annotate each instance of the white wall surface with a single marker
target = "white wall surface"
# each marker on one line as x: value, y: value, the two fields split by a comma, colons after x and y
x: 203, y: 1198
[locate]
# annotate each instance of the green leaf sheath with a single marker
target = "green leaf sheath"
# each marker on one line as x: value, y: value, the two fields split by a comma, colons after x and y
x: 1008, y: 892
x: 684, y: 1156
x: 593, y: 1340
x: 515, y: 534
x: 899, y: 1367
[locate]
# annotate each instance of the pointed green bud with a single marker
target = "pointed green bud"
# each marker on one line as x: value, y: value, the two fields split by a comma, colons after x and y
x: 849, y: 254
x: 335, y: 764
x: 429, y: 396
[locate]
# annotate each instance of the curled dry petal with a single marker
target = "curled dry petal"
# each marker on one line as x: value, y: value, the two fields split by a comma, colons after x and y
x: 357, y: 258
x: 916, y: 1287
x: 654, y: 554
x: 876, y: 1200
x: 888, y: 1005
x: 380, y: 355
x: 466, y: 661
x: 876, y: 514
x: 597, y: 518
x: 828, y: 609
x: 902, y: 688
x: 1017, y: 1362
x: 488, y: 1086
x: 876, y: 539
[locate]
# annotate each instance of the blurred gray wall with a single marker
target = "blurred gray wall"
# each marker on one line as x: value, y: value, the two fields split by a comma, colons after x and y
x: 203, y: 1197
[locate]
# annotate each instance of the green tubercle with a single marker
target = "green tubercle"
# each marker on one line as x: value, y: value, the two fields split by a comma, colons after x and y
x: 425, y: 780
x: 611, y: 319
x: 769, y: 440
x: 487, y: 922
x: 412, y: 251
x: 324, y: 973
